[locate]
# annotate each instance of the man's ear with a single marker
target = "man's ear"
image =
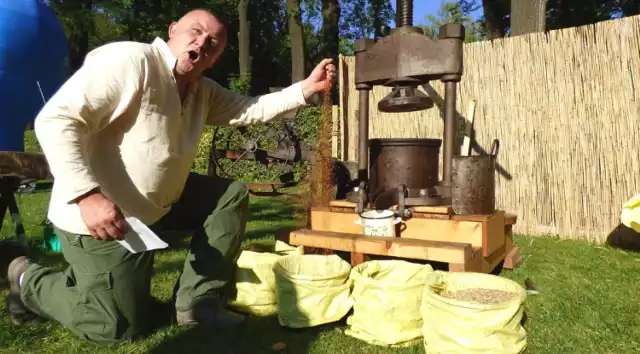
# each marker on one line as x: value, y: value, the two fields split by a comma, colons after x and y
x: 172, y: 29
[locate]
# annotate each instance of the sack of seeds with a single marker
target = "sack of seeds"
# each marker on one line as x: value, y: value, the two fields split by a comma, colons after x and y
x: 387, y: 297
x: 255, y: 284
x: 312, y: 290
x: 630, y: 215
x: 473, y: 313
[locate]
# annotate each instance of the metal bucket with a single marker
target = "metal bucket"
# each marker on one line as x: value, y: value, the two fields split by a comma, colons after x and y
x: 409, y: 162
x: 473, y: 178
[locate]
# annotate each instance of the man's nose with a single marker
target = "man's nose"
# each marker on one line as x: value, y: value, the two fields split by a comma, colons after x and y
x: 202, y: 41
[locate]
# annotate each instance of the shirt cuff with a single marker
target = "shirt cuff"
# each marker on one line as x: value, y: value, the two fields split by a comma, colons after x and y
x: 295, y: 92
x: 78, y: 190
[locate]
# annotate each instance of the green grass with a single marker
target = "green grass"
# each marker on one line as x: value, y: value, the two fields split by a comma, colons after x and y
x: 589, y: 302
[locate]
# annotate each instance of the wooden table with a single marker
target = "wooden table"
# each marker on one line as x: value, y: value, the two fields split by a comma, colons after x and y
x: 475, y: 243
x: 15, y: 167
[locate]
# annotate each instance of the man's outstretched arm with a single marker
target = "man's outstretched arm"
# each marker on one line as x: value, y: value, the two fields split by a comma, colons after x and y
x: 100, y: 91
x: 231, y: 108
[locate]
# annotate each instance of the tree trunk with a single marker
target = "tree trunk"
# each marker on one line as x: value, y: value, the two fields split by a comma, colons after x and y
x: 377, y: 21
x: 243, y: 39
x: 528, y: 16
x: 493, y: 19
x: 134, y: 21
x: 79, y: 37
x: 296, y: 37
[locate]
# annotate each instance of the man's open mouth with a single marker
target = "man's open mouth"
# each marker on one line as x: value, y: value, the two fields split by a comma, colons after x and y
x: 194, y: 55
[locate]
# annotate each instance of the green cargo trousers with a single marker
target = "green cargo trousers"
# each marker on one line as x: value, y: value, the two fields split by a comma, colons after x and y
x: 104, y: 294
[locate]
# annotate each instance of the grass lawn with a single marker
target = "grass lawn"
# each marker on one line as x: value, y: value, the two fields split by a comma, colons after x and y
x: 589, y: 302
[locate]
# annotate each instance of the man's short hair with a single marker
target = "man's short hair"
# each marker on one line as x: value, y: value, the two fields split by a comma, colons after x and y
x: 222, y: 20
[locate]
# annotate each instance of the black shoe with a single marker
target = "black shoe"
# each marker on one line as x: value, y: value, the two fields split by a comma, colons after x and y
x: 210, y: 313
x: 19, y: 313
x: 9, y: 250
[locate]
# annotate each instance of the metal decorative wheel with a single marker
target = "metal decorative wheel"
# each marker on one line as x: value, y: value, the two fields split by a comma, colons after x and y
x: 265, y: 156
x: 250, y: 155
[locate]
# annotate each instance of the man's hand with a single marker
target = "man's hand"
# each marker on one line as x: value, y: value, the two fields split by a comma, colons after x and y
x: 317, y: 79
x: 103, y: 218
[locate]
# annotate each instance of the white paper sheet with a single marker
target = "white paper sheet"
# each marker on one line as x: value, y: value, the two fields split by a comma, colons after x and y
x: 141, y: 238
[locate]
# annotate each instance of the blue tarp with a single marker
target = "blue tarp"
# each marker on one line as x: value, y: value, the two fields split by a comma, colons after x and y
x: 33, y: 57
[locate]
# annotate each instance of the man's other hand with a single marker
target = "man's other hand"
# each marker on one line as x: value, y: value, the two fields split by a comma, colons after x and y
x: 317, y: 79
x: 103, y: 218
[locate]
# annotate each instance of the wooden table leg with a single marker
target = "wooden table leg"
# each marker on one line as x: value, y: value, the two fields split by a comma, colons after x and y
x: 357, y: 258
x: 513, y: 258
x: 8, y: 186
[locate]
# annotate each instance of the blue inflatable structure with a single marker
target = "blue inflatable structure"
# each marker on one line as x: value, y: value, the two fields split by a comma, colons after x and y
x: 33, y: 65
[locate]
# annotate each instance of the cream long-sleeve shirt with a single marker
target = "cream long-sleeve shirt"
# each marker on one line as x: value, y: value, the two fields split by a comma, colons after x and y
x: 118, y: 124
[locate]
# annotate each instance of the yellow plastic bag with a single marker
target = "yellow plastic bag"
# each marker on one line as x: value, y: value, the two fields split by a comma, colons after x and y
x: 312, y: 290
x: 630, y: 215
x: 456, y: 326
x: 255, y: 287
x: 387, y: 297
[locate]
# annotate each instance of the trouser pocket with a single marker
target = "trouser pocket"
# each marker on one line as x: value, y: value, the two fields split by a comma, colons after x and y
x: 98, y: 315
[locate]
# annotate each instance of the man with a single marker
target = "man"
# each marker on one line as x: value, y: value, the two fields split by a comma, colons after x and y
x: 120, y: 137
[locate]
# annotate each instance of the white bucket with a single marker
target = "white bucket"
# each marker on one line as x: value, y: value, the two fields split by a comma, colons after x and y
x: 379, y: 223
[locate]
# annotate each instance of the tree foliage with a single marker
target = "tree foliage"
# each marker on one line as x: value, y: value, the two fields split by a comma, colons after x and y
x: 454, y: 12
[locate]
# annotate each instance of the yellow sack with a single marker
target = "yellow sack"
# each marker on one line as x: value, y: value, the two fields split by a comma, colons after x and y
x: 387, y: 297
x: 457, y: 326
x: 255, y: 287
x: 630, y: 215
x: 312, y: 290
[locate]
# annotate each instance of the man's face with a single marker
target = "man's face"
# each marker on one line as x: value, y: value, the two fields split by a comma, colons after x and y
x: 197, y: 40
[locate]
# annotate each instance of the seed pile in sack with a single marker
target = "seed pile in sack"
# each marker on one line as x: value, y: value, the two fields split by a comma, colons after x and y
x: 473, y: 313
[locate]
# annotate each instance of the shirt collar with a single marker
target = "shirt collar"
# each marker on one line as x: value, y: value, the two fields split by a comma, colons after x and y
x: 168, y: 57
x: 171, y: 61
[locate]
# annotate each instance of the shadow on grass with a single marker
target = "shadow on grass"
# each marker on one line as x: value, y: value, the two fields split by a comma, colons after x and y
x: 262, y: 233
x: 261, y: 212
x: 169, y: 266
x: 625, y: 238
x: 256, y: 335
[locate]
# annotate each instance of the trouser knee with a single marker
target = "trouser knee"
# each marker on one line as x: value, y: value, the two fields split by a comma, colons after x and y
x: 238, y: 192
x: 99, y: 318
x: 111, y: 307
